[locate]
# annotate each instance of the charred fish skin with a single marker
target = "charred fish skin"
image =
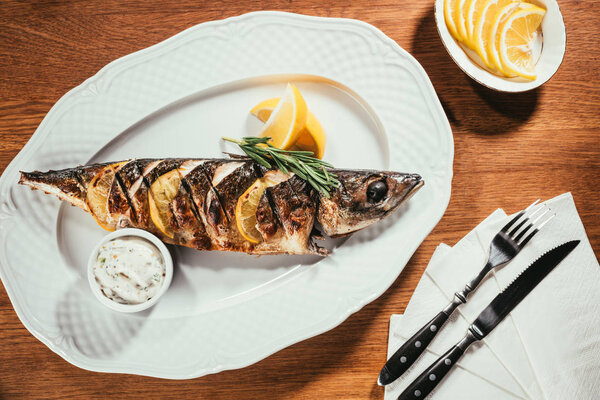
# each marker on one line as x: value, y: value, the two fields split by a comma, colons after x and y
x: 229, y: 180
x: 126, y: 179
x: 120, y: 206
x: 189, y: 228
x: 201, y: 213
x: 294, y: 205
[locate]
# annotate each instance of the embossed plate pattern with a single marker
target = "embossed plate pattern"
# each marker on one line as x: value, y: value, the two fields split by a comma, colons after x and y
x: 51, y: 298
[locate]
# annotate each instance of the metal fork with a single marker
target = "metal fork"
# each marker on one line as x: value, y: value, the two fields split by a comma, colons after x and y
x: 504, y: 247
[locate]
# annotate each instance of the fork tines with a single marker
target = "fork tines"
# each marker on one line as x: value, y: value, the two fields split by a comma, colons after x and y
x: 527, y: 223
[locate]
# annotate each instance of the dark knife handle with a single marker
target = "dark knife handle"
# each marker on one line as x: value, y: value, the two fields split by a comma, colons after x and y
x: 429, y: 379
x: 410, y: 351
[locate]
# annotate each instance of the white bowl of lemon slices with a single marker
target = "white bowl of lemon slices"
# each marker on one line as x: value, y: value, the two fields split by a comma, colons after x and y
x: 506, y: 45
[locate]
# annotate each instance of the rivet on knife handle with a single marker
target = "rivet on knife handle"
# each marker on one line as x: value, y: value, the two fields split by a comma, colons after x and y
x: 429, y: 379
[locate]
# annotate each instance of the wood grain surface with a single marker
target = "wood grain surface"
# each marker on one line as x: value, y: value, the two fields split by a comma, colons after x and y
x: 509, y: 149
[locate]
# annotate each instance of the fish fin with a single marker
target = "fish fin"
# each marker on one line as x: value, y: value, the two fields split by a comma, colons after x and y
x: 237, y: 156
x: 318, y: 250
x: 316, y: 234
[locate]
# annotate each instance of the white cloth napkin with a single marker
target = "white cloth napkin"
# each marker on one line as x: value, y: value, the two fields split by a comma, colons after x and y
x: 547, y: 348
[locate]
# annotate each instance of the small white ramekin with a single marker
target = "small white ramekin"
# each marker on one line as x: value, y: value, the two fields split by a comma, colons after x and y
x: 130, y: 308
x: 552, y: 54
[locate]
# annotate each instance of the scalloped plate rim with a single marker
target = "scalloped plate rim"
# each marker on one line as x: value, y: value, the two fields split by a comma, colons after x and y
x: 23, y: 313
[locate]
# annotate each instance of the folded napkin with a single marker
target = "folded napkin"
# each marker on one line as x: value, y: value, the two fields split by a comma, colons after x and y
x: 547, y: 348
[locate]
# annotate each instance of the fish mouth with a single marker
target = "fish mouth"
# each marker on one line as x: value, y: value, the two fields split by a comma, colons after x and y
x: 417, y: 183
x: 410, y: 184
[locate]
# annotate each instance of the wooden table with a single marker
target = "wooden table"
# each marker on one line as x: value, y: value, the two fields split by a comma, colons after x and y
x: 509, y: 149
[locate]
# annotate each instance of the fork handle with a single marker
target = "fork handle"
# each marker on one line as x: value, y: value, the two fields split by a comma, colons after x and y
x: 473, y: 283
x: 410, y: 351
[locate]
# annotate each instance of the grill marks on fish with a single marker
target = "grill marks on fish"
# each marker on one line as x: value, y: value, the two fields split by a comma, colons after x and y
x: 192, y: 230
x: 132, y: 176
x: 294, y: 202
x: 201, y: 210
x: 214, y: 206
x: 228, y: 181
x: 120, y: 205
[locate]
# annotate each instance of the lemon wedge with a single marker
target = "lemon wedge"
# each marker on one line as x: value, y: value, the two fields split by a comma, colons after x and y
x: 97, y: 195
x: 263, y: 110
x: 450, y: 7
x: 287, y: 119
x: 516, y: 39
x: 311, y: 138
x: 162, y: 192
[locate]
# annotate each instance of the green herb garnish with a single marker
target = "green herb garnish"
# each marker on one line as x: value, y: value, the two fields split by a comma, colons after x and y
x: 302, y: 163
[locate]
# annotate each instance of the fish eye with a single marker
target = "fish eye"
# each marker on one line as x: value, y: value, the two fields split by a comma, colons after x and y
x: 376, y: 191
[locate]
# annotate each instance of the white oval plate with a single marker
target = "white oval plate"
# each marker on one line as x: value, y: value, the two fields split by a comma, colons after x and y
x: 223, y: 311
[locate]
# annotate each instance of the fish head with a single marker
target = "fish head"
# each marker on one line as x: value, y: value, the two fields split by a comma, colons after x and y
x: 364, y: 197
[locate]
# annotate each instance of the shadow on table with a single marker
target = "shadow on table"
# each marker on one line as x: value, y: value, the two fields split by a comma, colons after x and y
x: 461, y: 97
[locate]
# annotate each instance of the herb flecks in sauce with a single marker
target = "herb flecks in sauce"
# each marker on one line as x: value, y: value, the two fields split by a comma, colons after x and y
x: 129, y: 270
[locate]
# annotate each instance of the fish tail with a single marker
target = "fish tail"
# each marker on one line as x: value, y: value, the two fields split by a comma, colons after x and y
x: 68, y: 184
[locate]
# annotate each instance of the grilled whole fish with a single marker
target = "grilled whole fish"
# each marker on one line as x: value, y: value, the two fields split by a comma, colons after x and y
x: 203, y: 194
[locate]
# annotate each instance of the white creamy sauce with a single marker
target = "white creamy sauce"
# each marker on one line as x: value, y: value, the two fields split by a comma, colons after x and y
x: 129, y: 270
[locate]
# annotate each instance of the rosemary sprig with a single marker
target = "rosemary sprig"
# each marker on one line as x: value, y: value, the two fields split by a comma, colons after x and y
x: 302, y: 163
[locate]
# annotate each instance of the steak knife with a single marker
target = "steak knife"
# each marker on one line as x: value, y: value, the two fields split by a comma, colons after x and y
x: 489, y: 318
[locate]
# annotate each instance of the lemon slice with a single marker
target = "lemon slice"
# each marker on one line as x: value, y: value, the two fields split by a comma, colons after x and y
x: 245, y: 211
x: 311, y: 138
x: 450, y: 7
x: 516, y: 40
x: 162, y: 192
x: 493, y: 43
x: 287, y: 119
x: 482, y: 27
x: 474, y: 9
x: 96, y: 198
x: 460, y: 19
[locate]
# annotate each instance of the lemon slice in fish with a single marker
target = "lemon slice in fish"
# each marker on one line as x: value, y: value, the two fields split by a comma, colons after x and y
x: 97, y: 196
x: 161, y: 193
x: 245, y: 211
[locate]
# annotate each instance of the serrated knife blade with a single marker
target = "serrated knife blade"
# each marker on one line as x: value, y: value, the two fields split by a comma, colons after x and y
x: 520, y: 287
x: 488, y: 319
